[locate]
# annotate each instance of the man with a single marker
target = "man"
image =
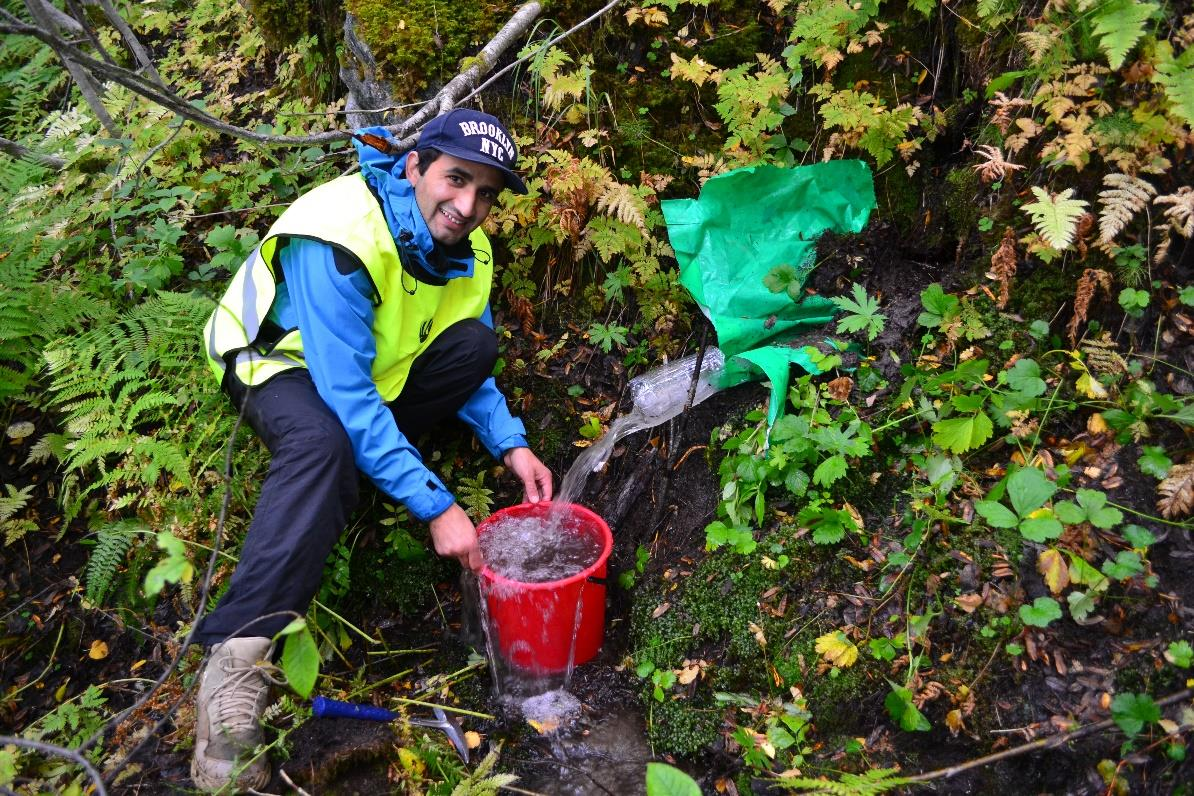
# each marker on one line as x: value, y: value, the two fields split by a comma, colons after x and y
x: 360, y: 321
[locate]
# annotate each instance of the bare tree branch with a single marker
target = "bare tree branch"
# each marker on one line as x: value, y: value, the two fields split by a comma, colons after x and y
x: 70, y: 754
x: 449, y: 96
x: 131, y: 41
x: 15, y: 150
x: 444, y: 100
x: 496, y: 75
x: 88, y: 29
x: 84, y: 80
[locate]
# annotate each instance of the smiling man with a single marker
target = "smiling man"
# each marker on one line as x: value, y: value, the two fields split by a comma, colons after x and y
x: 360, y: 321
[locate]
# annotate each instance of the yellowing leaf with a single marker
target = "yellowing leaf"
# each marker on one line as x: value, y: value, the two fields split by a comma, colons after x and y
x: 759, y: 635
x: 1051, y: 564
x: 953, y: 720
x: 546, y: 726
x: 98, y: 651
x: 837, y: 649
x: 1090, y: 387
x: 472, y: 739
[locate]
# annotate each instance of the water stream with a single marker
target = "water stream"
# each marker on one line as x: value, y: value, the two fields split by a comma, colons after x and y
x: 543, y: 549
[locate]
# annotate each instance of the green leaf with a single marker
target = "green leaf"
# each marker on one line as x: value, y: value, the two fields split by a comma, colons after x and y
x: 1069, y: 513
x: 1180, y: 654
x: 1154, y: 462
x: 1042, y: 612
x: 1119, y: 24
x: 1097, y: 511
x: 1025, y: 377
x: 779, y: 277
x: 903, y: 711
x: 1132, y: 711
x: 939, y: 306
x: 862, y: 313
x: 1081, y: 604
x: 960, y: 434
x: 1127, y: 564
x: 1083, y: 574
x: 664, y: 780
x: 1041, y: 529
x: 829, y: 470
x: 174, y: 568
x: 996, y: 514
x: 1056, y: 217
x: 300, y: 661
x: 1029, y: 489
x: 1138, y: 537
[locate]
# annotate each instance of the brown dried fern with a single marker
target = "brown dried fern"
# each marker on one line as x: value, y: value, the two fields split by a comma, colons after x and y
x: 1003, y: 266
x: 1177, y: 492
x: 1102, y: 357
x: 1181, y: 212
x: 1123, y: 197
x: 1091, y: 279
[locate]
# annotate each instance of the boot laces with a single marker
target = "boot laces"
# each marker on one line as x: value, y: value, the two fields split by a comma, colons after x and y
x: 237, y: 701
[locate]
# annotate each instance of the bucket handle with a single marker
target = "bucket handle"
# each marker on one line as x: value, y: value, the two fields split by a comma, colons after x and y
x: 596, y: 580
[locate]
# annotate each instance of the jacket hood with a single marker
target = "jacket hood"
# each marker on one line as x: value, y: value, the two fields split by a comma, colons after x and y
x: 386, y: 176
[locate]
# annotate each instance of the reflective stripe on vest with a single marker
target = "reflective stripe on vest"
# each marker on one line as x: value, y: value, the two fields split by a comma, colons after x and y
x: 408, y: 315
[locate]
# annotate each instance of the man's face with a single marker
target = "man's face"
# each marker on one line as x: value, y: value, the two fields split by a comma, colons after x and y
x: 454, y: 196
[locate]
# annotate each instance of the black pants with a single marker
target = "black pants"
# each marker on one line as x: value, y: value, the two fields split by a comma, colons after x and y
x: 312, y: 485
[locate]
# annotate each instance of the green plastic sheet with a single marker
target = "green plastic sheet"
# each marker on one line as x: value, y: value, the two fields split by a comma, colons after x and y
x: 746, y: 223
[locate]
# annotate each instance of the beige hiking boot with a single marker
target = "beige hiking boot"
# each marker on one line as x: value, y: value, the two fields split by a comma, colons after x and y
x: 233, y: 693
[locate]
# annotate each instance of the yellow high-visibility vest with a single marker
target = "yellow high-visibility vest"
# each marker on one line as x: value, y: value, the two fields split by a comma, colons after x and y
x: 345, y: 214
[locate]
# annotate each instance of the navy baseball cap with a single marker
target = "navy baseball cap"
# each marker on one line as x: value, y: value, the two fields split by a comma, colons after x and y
x: 477, y: 137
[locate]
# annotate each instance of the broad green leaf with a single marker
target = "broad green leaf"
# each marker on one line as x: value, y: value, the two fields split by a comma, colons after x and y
x: 1025, y: 377
x: 1119, y: 24
x: 1042, y: 612
x: 1126, y: 565
x: 174, y: 568
x: 903, y: 711
x: 1081, y: 604
x: 1029, y: 489
x: 1180, y: 654
x: 996, y: 514
x: 1132, y: 711
x: 829, y: 470
x: 1154, y: 462
x: 1138, y: 537
x: 300, y: 661
x: 1097, y: 511
x: 1040, y: 529
x: 1069, y: 513
x: 939, y: 306
x: 1083, y: 574
x: 960, y: 434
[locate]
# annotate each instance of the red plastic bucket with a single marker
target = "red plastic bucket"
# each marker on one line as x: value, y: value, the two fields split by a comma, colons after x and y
x: 543, y: 627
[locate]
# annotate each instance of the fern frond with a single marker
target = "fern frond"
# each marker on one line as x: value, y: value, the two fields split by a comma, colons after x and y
x: 112, y: 544
x: 1181, y: 210
x: 1119, y: 24
x: 624, y: 203
x: 1055, y: 217
x: 1124, y: 197
x: 871, y: 783
x: 15, y: 500
x: 1177, y: 76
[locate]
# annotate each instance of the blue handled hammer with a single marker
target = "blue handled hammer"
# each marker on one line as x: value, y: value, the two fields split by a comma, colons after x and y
x: 336, y: 709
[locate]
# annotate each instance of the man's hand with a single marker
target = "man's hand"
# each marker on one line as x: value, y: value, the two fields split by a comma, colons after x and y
x: 454, y: 536
x: 535, y: 477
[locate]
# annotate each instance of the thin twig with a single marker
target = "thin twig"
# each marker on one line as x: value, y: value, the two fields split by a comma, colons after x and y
x: 59, y: 751
x: 1043, y: 743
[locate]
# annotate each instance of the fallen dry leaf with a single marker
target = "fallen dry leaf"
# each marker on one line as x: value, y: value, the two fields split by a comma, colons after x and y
x: 661, y: 610
x: 98, y: 651
x: 969, y: 602
x: 1177, y: 491
x: 472, y: 739
x: 839, y: 389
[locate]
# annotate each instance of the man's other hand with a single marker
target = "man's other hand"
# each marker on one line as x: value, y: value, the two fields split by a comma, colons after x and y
x: 454, y: 536
x: 535, y: 477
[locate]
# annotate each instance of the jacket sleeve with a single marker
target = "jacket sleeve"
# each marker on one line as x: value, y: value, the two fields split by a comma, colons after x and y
x: 487, y: 413
x: 335, y: 317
